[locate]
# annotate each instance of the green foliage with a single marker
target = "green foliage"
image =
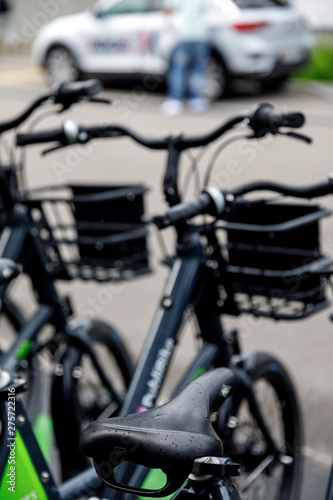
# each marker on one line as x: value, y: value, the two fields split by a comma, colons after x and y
x: 320, y: 66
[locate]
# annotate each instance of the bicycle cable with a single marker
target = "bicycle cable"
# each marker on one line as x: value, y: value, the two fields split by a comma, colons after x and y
x: 193, y: 170
x: 163, y: 247
x: 23, y: 155
x: 217, y: 153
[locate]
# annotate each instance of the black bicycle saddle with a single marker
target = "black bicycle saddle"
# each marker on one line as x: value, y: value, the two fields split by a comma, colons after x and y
x: 170, y: 437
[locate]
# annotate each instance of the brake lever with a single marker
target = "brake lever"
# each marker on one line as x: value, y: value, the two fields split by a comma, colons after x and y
x: 292, y: 135
x: 51, y: 150
x: 300, y: 137
x: 100, y: 100
x: 65, y: 107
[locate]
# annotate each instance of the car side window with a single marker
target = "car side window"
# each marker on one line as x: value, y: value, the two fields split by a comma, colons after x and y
x: 128, y: 7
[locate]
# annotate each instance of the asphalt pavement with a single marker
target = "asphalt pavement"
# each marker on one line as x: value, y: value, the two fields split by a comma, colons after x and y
x: 306, y: 346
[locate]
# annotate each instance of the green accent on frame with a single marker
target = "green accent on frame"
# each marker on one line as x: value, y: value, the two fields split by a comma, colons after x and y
x: 43, y: 430
x: 24, y: 349
x: 154, y: 480
x: 198, y: 372
x: 26, y: 482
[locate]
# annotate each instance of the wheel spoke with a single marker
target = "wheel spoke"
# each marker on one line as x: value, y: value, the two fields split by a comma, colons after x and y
x: 256, y: 473
x: 267, y: 473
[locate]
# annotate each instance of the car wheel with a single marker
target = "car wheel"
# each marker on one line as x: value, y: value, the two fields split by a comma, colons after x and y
x: 60, y: 65
x: 217, y: 79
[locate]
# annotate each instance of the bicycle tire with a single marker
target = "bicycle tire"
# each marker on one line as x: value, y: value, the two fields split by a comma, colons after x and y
x: 244, y: 441
x: 76, y: 402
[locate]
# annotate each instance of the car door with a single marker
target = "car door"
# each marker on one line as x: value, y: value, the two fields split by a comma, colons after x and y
x: 121, y: 38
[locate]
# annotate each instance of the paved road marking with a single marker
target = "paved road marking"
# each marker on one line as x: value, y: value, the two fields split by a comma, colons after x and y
x: 23, y: 75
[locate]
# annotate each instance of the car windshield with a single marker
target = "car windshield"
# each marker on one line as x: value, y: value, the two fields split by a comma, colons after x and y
x: 257, y: 4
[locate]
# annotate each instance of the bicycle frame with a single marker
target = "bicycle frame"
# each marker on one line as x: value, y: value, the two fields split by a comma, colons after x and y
x: 15, y: 243
x: 213, y: 487
x: 26, y: 474
x: 25, y: 471
x: 186, y: 286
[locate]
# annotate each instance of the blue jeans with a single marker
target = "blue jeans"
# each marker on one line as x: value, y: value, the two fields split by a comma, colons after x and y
x: 187, y: 70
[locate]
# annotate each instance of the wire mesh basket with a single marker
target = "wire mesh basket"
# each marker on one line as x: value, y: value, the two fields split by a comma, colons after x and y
x: 92, y: 232
x: 275, y: 266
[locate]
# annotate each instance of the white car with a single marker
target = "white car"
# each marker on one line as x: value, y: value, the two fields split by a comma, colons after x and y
x: 254, y: 39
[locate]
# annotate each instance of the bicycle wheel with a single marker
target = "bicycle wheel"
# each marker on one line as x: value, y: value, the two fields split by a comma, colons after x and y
x: 78, y: 395
x: 263, y: 474
x: 116, y: 362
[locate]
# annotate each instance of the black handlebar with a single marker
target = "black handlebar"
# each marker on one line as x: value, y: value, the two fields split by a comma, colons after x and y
x: 203, y: 204
x: 86, y: 134
x: 262, y: 119
x: 69, y: 93
x: 267, y: 119
x: 40, y: 137
x: 66, y: 94
x: 310, y: 191
x: 213, y: 201
x: 11, y: 124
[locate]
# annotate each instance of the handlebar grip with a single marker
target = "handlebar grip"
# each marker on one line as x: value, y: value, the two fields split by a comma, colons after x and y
x: 293, y: 120
x: 67, y: 135
x: 265, y: 118
x: 210, y: 202
x: 40, y: 137
x: 74, y: 91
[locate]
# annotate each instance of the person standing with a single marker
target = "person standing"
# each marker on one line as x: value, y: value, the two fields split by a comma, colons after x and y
x: 189, y: 59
